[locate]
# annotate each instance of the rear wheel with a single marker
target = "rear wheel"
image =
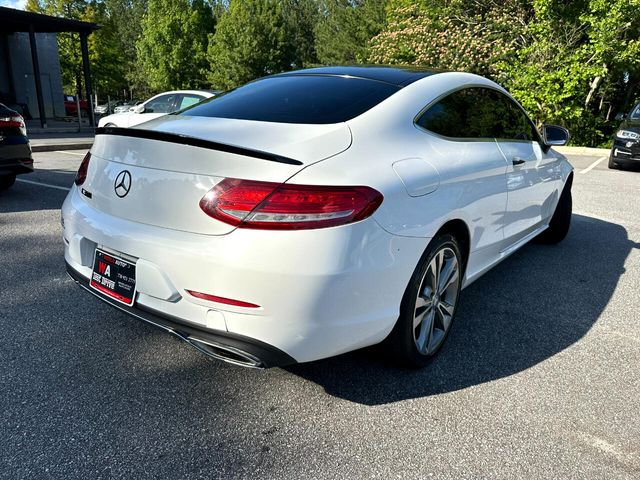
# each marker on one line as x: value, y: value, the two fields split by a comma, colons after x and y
x: 429, y: 304
x: 7, y: 181
x: 561, y: 220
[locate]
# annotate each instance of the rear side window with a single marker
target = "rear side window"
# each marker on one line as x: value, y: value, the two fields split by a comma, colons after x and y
x: 315, y: 99
x: 161, y: 104
x: 478, y: 113
x: 188, y: 100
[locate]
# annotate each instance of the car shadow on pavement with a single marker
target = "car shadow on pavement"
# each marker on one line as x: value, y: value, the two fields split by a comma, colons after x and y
x: 532, y: 306
x: 27, y: 197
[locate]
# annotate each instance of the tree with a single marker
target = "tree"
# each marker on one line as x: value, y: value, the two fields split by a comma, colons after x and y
x: 173, y: 44
x: 259, y: 37
x: 126, y: 21
x: 345, y: 28
x: 580, y: 65
x: 442, y: 37
x: 108, y: 66
x: 573, y: 63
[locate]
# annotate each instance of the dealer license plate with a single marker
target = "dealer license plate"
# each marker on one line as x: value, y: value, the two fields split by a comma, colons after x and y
x: 114, y: 277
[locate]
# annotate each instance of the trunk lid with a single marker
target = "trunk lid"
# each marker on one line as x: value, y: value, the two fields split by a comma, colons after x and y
x: 173, y: 161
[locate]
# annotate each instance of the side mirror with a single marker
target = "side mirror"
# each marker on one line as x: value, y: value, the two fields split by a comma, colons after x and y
x: 620, y: 117
x: 138, y: 109
x: 555, y: 136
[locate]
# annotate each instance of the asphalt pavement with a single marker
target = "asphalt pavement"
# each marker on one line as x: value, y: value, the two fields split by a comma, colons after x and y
x: 539, y: 378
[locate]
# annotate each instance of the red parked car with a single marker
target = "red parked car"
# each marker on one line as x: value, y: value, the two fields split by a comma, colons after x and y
x: 71, y: 107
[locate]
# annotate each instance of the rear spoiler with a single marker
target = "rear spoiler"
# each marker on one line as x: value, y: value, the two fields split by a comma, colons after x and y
x: 195, y: 142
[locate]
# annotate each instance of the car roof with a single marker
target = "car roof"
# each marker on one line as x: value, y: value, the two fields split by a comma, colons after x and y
x: 6, y: 110
x: 199, y: 92
x: 395, y: 75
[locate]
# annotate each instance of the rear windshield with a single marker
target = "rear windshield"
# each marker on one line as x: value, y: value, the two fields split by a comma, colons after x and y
x: 297, y: 99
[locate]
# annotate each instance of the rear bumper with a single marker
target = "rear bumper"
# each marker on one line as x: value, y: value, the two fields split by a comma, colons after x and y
x: 228, y: 347
x: 15, y: 157
x: 320, y: 292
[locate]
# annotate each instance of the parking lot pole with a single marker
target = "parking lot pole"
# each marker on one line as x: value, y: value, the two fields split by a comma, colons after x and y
x: 87, y: 76
x: 36, y: 76
x: 78, y: 112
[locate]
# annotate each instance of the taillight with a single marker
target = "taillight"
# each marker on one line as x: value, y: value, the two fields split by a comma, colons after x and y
x: 276, y: 206
x: 81, y: 176
x: 15, y: 121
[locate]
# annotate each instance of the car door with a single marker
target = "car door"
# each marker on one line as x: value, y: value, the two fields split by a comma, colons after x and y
x: 533, y: 175
x: 469, y: 162
x: 155, y: 107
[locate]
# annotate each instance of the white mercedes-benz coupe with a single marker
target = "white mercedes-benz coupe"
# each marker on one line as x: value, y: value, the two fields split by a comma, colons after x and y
x: 315, y: 212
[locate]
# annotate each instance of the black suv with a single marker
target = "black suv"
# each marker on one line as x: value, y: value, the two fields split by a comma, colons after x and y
x: 626, y: 141
x: 15, y: 151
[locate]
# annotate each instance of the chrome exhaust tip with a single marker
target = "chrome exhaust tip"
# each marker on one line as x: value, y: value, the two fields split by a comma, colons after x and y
x: 225, y: 353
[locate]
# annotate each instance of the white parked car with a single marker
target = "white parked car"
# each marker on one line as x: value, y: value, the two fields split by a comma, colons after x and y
x: 125, y: 107
x: 311, y: 213
x: 155, y: 107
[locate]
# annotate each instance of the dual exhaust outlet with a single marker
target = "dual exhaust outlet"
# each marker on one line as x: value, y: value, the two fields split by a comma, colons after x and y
x: 224, y: 353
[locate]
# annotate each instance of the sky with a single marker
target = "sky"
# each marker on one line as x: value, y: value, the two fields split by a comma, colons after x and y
x: 13, y: 3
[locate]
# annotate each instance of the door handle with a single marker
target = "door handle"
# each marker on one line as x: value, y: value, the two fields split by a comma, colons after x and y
x: 518, y: 160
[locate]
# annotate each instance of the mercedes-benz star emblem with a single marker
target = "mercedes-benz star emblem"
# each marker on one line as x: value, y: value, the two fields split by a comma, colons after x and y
x: 122, y: 185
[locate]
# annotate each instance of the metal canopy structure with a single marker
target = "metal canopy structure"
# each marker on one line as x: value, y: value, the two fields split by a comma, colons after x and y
x: 13, y: 21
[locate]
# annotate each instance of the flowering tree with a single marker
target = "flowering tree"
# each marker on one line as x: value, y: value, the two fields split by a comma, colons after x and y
x: 573, y: 63
x: 419, y: 35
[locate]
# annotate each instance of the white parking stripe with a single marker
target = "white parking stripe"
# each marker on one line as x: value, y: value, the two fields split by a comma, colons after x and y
x: 71, y: 153
x: 66, y: 189
x: 592, y: 166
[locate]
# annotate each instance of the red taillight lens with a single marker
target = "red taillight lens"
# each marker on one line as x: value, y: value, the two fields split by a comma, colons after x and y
x: 14, y: 122
x: 81, y: 176
x: 275, y: 206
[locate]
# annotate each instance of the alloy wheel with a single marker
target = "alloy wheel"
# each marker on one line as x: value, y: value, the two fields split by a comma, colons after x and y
x: 436, y: 301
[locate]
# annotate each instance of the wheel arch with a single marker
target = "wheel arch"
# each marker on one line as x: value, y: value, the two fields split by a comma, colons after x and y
x: 569, y: 181
x: 458, y: 229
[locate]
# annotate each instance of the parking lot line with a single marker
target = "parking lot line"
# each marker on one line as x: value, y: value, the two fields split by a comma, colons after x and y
x: 592, y: 166
x: 66, y: 189
x: 71, y: 153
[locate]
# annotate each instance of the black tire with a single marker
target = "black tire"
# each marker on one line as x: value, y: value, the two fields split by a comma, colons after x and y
x: 401, y: 343
x: 7, y: 181
x: 560, y: 221
x: 613, y: 165
x: 109, y: 125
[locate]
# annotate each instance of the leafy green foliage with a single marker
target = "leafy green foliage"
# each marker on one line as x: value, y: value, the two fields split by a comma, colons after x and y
x: 575, y: 63
x: 345, y: 27
x: 172, y: 49
x: 125, y: 17
x: 106, y: 45
x: 259, y: 37
x: 469, y: 41
x: 579, y: 60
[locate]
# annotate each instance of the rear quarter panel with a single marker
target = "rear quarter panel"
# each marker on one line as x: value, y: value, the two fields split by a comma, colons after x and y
x: 470, y: 183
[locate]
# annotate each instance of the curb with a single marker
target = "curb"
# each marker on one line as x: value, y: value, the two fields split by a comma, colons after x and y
x: 50, y: 147
x: 588, y: 151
